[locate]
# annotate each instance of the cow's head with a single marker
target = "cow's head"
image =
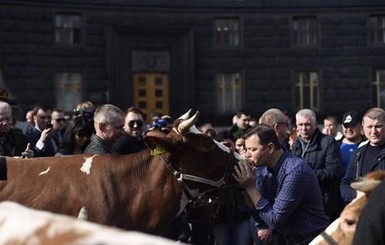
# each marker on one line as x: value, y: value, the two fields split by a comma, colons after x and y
x: 342, y: 230
x: 202, y: 162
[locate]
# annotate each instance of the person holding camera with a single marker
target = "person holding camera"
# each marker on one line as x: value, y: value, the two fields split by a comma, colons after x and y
x: 41, y: 136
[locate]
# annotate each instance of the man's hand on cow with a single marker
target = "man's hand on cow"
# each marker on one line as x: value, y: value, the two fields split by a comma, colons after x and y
x: 244, y: 174
x: 28, y: 153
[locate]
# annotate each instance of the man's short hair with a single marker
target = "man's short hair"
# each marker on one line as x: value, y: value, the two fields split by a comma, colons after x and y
x: 306, y: 113
x: 242, y: 112
x: 272, y: 117
x: 375, y: 113
x: 109, y: 114
x: 266, y: 135
x: 135, y: 110
x: 42, y: 107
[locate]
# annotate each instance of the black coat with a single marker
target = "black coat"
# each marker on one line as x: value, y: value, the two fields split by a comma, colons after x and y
x: 98, y: 146
x: 127, y: 144
x: 323, y: 156
x: 13, y: 143
x: 354, y: 171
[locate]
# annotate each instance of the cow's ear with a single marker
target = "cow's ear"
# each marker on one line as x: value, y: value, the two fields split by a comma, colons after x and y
x: 157, y: 142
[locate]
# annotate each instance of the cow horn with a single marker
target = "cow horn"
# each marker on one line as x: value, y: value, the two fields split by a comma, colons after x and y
x: 186, y: 115
x: 184, y: 126
x: 367, y: 185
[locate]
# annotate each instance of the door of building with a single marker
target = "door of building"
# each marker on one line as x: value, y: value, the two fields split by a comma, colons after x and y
x: 151, y: 92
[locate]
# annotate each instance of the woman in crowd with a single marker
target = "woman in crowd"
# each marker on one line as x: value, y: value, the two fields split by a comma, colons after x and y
x: 76, y: 137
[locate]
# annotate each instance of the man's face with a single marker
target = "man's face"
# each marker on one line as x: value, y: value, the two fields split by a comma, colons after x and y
x: 58, y: 120
x: 133, y: 124
x: 331, y: 127
x: 374, y: 131
x: 243, y: 121
x: 306, y: 127
x: 258, y: 154
x: 5, y: 120
x: 352, y: 132
x: 42, y: 118
x: 112, y: 132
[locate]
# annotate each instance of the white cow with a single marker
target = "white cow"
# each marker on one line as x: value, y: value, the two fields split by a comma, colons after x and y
x: 21, y: 225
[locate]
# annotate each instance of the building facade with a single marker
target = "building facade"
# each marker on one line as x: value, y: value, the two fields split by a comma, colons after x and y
x: 215, y: 56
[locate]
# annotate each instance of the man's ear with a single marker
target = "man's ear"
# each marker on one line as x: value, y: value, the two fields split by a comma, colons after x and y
x: 101, y: 126
x: 271, y: 147
x: 275, y: 127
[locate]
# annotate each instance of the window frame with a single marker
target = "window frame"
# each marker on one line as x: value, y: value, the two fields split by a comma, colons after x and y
x: 295, y: 34
x: 81, y: 29
x: 61, y: 102
x: 376, y: 84
x: 376, y: 29
x: 236, y: 91
x: 299, y: 89
x: 226, y: 44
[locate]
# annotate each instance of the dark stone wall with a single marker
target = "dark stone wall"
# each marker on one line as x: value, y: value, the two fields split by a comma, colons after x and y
x: 267, y: 59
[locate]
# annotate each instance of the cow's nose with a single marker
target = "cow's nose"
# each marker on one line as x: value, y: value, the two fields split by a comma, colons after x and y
x: 349, y: 223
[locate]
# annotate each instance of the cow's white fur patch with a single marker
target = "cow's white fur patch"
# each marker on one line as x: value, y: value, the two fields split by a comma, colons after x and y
x: 45, y: 171
x: 334, y: 226
x: 21, y: 225
x: 86, y: 167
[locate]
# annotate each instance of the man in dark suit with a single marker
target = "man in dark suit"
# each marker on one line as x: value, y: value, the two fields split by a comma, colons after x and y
x: 41, y: 136
x: 12, y: 141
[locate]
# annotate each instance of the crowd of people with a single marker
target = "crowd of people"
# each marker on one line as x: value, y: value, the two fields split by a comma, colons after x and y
x: 291, y: 185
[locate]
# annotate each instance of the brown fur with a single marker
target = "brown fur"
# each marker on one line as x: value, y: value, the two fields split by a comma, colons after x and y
x: 350, y: 215
x: 135, y: 192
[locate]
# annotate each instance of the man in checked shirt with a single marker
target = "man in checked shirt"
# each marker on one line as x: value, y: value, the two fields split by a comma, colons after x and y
x: 297, y: 215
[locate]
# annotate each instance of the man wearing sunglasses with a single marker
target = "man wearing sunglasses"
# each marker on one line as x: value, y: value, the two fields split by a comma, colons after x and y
x: 58, y: 124
x: 132, y: 139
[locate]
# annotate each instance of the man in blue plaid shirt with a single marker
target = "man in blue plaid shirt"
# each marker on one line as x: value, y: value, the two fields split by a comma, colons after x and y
x: 297, y: 215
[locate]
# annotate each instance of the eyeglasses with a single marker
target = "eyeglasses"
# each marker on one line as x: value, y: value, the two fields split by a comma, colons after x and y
x: 139, y: 123
x: 59, y: 120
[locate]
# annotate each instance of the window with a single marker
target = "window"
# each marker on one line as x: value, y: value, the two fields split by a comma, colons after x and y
x: 305, y: 31
x: 228, y: 88
x: 68, y: 28
x: 378, y: 86
x: 306, y: 90
x: 68, y: 90
x: 227, y: 32
x: 377, y: 29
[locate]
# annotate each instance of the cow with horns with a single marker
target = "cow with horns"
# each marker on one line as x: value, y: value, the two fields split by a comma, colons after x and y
x: 342, y: 230
x: 143, y: 191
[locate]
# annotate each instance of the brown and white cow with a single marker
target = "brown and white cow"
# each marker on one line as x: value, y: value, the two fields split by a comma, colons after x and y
x: 20, y: 225
x: 143, y: 191
x: 342, y: 230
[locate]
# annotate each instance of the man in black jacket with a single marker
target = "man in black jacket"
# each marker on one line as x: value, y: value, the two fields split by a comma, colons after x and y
x: 12, y: 141
x: 132, y: 139
x: 322, y: 153
x: 370, y: 156
x: 108, y: 123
